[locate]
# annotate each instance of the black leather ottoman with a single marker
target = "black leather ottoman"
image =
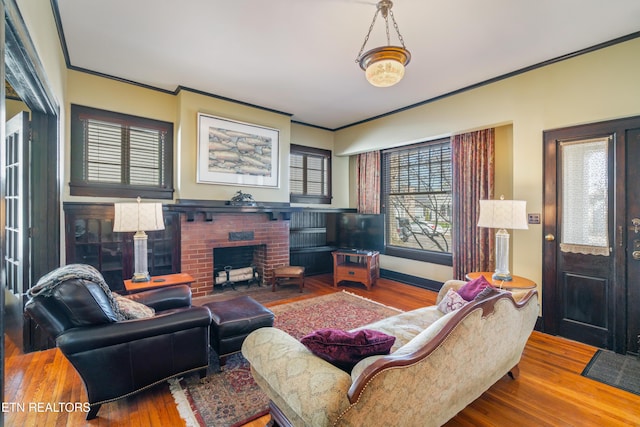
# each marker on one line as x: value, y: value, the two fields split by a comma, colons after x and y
x: 232, y: 321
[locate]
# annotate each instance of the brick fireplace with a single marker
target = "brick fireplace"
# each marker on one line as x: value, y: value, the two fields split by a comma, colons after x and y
x: 201, y: 233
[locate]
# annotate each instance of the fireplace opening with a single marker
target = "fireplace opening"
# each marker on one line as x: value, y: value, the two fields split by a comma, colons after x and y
x: 238, y: 264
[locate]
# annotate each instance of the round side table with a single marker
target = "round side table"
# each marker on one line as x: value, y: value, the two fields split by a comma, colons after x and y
x: 517, y: 282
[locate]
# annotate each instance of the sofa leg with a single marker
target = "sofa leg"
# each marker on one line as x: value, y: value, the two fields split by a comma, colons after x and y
x: 278, y: 419
x: 93, y: 412
x: 514, y: 373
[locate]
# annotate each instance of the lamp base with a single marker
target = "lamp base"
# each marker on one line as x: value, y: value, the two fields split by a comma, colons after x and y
x: 141, y: 277
x: 505, y: 277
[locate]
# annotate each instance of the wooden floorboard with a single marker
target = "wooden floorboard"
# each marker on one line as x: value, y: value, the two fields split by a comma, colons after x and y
x: 549, y: 392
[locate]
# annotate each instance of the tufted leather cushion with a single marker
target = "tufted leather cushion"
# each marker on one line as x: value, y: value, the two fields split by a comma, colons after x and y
x: 345, y: 349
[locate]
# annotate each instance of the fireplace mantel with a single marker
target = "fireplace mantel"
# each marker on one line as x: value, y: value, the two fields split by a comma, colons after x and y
x: 209, y: 208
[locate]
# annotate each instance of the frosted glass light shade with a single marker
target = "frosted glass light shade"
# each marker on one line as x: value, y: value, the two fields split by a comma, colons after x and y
x: 385, y: 73
x: 384, y: 66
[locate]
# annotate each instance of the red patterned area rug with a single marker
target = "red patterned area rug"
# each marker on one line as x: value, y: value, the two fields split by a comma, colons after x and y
x: 231, y: 397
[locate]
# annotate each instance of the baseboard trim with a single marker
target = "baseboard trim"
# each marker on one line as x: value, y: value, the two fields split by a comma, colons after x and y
x: 419, y: 282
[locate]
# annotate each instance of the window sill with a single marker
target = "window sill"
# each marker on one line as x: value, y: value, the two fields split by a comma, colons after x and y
x: 321, y: 200
x: 115, y: 190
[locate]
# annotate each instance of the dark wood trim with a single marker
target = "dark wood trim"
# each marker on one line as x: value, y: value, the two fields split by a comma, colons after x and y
x: 191, y: 208
x: 118, y: 190
x: 418, y: 282
x: 420, y: 255
x: 224, y: 98
x: 23, y: 69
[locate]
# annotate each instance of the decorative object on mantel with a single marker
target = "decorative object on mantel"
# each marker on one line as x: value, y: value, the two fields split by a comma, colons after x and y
x: 237, y: 153
x: 384, y: 66
x: 242, y: 199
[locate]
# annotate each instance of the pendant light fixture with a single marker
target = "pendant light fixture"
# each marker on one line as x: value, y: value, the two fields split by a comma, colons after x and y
x: 384, y: 66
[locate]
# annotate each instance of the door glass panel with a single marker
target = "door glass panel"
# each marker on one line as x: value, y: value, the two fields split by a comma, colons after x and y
x: 584, y: 227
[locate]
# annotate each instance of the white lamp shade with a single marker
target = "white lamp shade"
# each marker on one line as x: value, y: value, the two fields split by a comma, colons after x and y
x: 138, y: 217
x: 503, y: 214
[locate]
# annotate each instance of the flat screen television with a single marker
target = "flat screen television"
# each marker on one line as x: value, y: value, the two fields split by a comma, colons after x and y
x: 360, y: 231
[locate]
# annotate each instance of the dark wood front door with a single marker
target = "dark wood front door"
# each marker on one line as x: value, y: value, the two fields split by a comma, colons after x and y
x: 631, y: 233
x: 591, y: 196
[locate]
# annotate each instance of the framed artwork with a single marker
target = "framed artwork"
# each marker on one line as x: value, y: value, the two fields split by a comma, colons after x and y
x: 236, y: 153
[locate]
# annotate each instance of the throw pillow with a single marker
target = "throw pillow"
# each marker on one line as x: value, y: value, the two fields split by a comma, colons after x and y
x: 345, y: 349
x: 471, y: 289
x: 451, y: 302
x: 133, y: 309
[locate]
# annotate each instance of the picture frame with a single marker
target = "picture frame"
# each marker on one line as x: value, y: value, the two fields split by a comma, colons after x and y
x: 237, y: 153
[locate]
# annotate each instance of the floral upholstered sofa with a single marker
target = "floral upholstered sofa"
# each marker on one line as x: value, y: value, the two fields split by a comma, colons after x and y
x: 440, y: 362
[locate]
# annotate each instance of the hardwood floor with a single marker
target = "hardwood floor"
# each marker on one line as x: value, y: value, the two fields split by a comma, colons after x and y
x: 549, y: 392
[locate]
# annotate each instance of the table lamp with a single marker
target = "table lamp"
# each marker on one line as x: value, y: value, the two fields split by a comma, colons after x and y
x: 138, y: 217
x: 502, y: 214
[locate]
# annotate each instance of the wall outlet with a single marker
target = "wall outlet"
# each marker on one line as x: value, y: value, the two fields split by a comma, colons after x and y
x: 533, y: 218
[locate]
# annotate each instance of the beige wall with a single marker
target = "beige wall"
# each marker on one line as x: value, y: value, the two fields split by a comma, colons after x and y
x: 38, y: 18
x: 189, y: 105
x: 593, y: 87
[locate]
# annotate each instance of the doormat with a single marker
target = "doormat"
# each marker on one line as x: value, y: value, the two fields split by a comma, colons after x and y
x: 231, y: 397
x: 617, y: 370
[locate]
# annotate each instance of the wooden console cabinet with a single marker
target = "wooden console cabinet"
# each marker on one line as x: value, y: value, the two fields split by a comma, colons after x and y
x: 356, y: 266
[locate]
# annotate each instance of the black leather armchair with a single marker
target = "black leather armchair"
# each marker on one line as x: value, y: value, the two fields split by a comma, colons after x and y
x: 116, y: 358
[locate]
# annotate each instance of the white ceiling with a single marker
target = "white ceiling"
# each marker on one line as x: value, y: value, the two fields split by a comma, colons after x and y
x: 298, y: 56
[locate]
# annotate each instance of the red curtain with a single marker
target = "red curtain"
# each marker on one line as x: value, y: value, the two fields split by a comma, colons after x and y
x: 368, y: 174
x: 473, y: 180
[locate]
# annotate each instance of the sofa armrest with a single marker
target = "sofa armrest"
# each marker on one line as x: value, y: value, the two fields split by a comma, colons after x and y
x: 449, y: 284
x: 311, y: 387
x: 164, y: 298
x: 89, y: 338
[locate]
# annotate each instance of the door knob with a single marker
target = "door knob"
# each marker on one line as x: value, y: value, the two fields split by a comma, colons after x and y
x: 549, y: 237
x: 636, y: 255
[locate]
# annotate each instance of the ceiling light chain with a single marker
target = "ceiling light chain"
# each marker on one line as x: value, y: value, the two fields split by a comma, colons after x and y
x: 395, y: 25
x: 384, y: 66
x: 366, y: 39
